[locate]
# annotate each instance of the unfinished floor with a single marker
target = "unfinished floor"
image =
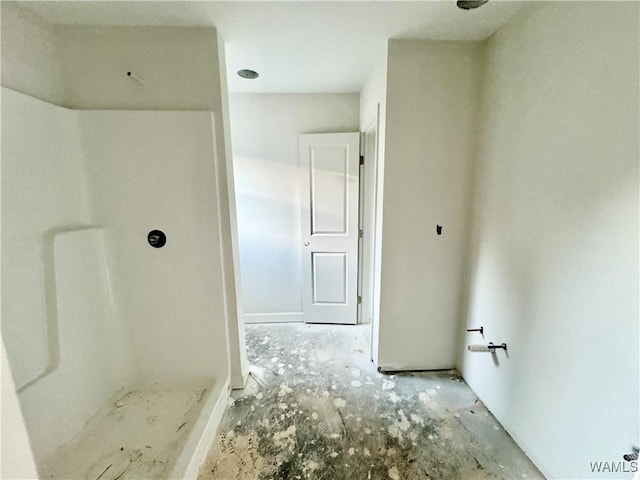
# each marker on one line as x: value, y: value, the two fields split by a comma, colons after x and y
x: 317, y: 409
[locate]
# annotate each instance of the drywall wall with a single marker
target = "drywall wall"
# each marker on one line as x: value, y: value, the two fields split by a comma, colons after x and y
x: 265, y: 129
x: 374, y: 92
x: 160, y: 174
x: 30, y: 54
x: 431, y: 107
x: 555, y: 242
x: 177, y: 64
x: 373, y: 109
x: 182, y: 69
x: 58, y: 320
x: 228, y: 228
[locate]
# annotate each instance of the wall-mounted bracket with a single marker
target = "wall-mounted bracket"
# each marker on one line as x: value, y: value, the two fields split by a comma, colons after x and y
x: 481, y: 330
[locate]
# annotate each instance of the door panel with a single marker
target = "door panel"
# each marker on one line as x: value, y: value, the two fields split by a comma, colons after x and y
x: 329, y: 165
x: 329, y: 277
x: 329, y: 189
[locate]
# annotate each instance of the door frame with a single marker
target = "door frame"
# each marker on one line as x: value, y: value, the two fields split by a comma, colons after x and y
x: 372, y: 176
x: 367, y: 221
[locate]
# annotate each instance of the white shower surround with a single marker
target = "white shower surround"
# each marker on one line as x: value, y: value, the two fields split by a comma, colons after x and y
x: 104, y: 310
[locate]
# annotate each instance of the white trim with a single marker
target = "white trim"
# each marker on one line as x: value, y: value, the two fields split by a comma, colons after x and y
x: 278, y: 317
x: 361, y: 214
x: 239, y: 379
x: 203, y: 434
x: 372, y: 233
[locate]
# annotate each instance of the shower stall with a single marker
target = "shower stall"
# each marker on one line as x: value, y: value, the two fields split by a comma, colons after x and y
x: 117, y: 344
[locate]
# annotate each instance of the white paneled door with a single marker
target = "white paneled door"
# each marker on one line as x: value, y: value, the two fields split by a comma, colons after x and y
x: 329, y: 165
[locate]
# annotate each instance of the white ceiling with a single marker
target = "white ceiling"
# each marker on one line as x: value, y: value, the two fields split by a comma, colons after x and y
x: 297, y: 46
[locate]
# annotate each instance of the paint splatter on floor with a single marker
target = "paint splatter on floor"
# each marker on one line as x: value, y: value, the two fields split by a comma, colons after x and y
x: 321, y: 411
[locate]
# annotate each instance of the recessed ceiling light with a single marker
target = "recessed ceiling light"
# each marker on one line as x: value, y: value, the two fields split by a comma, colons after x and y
x: 250, y: 74
x: 470, y: 4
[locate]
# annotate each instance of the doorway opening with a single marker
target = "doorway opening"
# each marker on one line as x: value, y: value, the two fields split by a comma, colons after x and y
x: 284, y: 188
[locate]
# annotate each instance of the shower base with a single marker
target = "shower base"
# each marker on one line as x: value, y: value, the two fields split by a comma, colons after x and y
x: 141, y: 433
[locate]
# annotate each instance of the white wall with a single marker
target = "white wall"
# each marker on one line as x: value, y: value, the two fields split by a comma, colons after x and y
x: 228, y: 226
x: 373, y: 109
x: 555, y: 243
x: 374, y: 92
x: 30, y: 54
x: 178, y: 64
x: 432, y: 92
x: 160, y: 174
x: 265, y: 129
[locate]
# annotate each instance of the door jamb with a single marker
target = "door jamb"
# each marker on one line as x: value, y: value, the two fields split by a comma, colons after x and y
x: 366, y: 257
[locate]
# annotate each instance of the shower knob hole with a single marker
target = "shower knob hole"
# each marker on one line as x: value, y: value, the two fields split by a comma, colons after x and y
x: 157, y: 238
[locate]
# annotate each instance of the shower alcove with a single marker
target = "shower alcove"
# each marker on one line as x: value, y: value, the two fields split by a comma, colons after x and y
x: 118, y: 349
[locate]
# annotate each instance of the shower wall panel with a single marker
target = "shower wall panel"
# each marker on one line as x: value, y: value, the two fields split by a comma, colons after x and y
x: 156, y: 171
x: 91, y: 343
x: 67, y: 348
x: 43, y: 192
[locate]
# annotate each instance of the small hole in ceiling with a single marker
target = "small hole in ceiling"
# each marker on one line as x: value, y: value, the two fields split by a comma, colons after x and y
x: 250, y: 74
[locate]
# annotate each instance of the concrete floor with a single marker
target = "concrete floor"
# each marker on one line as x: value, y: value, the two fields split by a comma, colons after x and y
x: 317, y: 409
